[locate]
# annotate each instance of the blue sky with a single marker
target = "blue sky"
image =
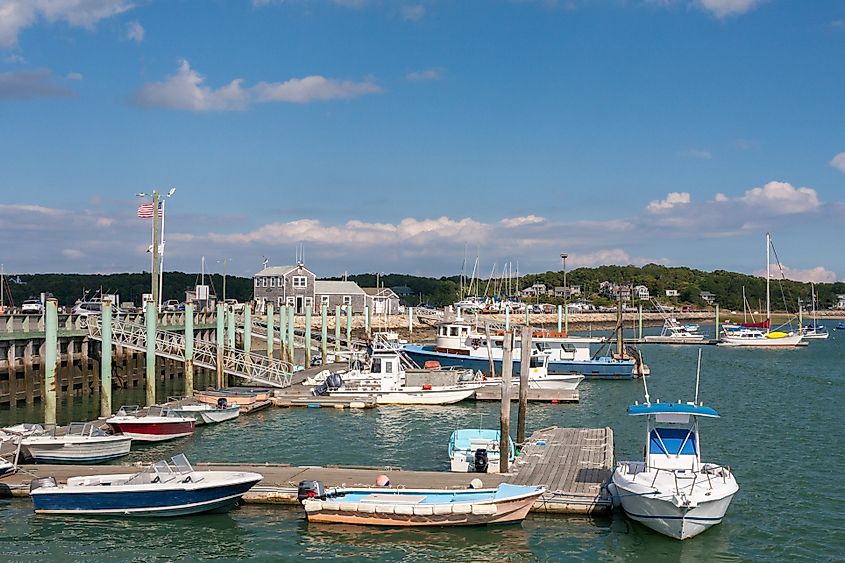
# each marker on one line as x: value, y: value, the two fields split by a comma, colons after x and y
x: 394, y: 136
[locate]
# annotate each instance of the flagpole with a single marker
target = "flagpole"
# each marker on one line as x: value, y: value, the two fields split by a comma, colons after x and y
x: 155, y: 248
x: 161, y: 257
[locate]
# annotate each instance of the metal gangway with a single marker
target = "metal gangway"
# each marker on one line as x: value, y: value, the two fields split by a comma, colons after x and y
x: 255, y: 368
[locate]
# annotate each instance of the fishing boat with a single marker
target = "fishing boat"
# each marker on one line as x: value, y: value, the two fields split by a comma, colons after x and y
x: 156, y: 425
x: 672, y: 491
x: 540, y: 378
x: 204, y: 413
x: 760, y: 334
x: 81, y: 442
x: 393, y: 381
x: 417, y: 507
x: 164, y: 488
x: 458, y: 343
x: 476, y: 450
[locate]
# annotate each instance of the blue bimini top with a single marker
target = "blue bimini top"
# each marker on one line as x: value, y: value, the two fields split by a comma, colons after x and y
x: 672, y: 408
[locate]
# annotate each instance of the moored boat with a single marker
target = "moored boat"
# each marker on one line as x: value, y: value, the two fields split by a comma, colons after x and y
x: 540, y: 378
x: 203, y: 413
x: 243, y: 396
x: 164, y: 488
x: 156, y: 425
x: 417, y: 507
x: 476, y: 450
x: 81, y: 442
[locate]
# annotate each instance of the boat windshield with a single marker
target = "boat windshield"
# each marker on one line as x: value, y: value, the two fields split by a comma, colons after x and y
x: 162, y: 471
x: 83, y: 429
x: 128, y: 410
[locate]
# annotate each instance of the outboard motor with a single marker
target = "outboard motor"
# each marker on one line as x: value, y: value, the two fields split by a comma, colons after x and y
x: 481, y: 461
x: 310, y: 489
x: 42, y: 482
x: 222, y: 403
x: 334, y: 381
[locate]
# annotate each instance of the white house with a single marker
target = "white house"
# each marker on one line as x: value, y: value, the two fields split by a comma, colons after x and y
x: 672, y: 293
x: 841, y: 303
x: 641, y: 292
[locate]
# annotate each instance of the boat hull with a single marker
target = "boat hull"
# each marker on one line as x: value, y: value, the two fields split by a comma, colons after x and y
x: 763, y: 342
x: 210, y: 416
x: 421, y: 397
x: 600, y: 368
x: 87, y: 450
x: 163, y: 502
x: 141, y: 431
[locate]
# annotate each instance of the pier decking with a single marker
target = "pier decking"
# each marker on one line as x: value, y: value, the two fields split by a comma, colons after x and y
x: 494, y: 393
x: 572, y: 463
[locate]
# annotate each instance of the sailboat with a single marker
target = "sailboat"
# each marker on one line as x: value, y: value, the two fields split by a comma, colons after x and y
x: 761, y: 335
x: 815, y: 330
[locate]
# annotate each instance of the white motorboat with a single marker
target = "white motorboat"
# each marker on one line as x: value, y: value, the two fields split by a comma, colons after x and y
x: 82, y: 442
x: 156, y: 425
x: 674, y: 331
x: 203, y: 413
x: 540, y: 378
x: 163, y: 489
x: 672, y: 491
x: 392, y: 383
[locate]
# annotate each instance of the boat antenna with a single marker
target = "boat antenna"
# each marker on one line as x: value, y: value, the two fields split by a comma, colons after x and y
x: 697, y: 375
x: 645, y: 386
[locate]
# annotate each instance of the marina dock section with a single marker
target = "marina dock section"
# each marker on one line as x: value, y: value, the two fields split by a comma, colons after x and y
x: 572, y: 463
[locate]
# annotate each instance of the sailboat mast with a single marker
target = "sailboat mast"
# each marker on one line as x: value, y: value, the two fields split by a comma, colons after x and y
x: 768, y: 281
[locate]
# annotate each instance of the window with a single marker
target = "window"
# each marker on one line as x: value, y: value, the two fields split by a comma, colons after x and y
x: 272, y: 282
x: 324, y: 300
x: 300, y: 281
x: 263, y: 282
x: 257, y: 282
x: 453, y: 331
x: 388, y: 366
x: 291, y: 301
x: 347, y: 300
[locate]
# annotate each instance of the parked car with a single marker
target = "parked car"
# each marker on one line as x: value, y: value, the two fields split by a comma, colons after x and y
x: 171, y: 305
x: 234, y: 304
x: 85, y: 308
x: 32, y: 307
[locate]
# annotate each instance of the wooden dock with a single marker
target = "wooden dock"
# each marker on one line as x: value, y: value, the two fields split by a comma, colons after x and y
x: 364, y: 402
x: 572, y: 463
x: 494, y: 393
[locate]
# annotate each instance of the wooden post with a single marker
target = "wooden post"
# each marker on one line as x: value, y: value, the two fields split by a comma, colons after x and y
x: 507, y: 317
x: 308, y: 326
x: 324, y: 334
x: 337, y: 329
x: 105, y: 359
x: 230, y: 326
x: 640, y: 316
x: 270, y: 330
x: 524, y: 369
x: 526, y: 313
x: 367, y: 320
x: 283, y: 333
x: 221, y: 340
x: 559, y: 318
x: 247, y: 328
x: 12, y: 371
x: 291, y: 334
x: 151, y: 317
x: 566, y: 318
x: 489, y: 350
x: 505, y: 416
x: 48, y: 363
x: 189, y: 349
x: 410, y: 321
x: 349, y: 327
x: 717, y: 321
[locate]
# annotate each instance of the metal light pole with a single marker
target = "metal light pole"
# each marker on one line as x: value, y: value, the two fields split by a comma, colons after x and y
x: 565, y: 293
x: 158, y: 263
x: 163, y: 243
x: 225, y: 272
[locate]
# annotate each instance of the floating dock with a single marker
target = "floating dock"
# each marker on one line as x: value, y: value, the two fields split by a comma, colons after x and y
x: 572, y: 463
x: 494, y: 393
x: 365, y: 402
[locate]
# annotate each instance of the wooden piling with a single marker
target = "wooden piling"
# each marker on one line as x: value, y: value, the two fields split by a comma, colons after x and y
x: 367, y: 320
x: 524, y: 369
x: 410, y: 320
x: 220, y: 337
x: 291, y: 334
x: 324, y: 334
x: 189, y: 349
x: 11, y: 369
x: 507, y: 317
x: 248, y: 328
x: 559, y: 318
x: 230, y: 327
x: 283, y: 333
x: 349, y: 327
x: 505, y: 416
x: 308, y: 327
x: 105, y: 359
x: 337, y: 329
x: 717, y: 321
x: 151, y: 317
x: 489, y: 349
x: 640, y: 319
x: 49, y: 361
x: 270, y: 330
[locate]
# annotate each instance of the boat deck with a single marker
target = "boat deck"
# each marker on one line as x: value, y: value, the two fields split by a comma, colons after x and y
x: 572, y: 463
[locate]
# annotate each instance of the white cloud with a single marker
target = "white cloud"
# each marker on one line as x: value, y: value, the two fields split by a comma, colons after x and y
x: 186, y: 90
x: 698, y: 154
x: 73, y: 76
x: 28, y: 208
x: 782, y: 198
x: 412, y: 13
x: 838, y: 162
x: 72, y: 253
x: 819, y: 274
x: 727, y: 8
x: 17, y: 15
x: 424, y: 75
x: 615, y: 256
x: 673, y: 199
x: 135, y: 32
x: 520, y: 221
x: 28, y: 84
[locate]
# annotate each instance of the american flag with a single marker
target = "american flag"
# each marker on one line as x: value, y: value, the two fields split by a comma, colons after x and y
x: 145, y: 210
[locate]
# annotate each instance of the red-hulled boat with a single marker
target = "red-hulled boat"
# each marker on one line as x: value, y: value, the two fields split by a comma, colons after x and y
x: 157, y: 425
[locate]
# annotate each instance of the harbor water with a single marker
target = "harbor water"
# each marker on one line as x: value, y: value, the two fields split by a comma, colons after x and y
x: 781, y: 432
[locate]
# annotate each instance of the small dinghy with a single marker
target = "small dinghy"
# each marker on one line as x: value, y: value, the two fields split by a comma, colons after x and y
x: 476, y: 450
x: 164, y: 488
x: 417, y: 507
x: 203, y: 413
x: 82, y: 442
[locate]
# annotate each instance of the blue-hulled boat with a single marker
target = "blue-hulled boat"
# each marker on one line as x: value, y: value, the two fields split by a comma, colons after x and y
x: 459, y: 344
x: 840, y: 326
x: 417, y: 507
x: 164, y: 488
x: 476, y: 450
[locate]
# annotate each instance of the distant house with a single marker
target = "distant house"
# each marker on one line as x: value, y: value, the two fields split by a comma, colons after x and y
x: 296, y: 286
x: 615, y: 290
x: 534, y: 290
x: 641, y: 292
x: 402, y: 290
x: 841, y: 301
x: 567, y: 292
x: 673, y: 293
x: 344, y: 294
x: 382, y: 300
x: 707, y: 297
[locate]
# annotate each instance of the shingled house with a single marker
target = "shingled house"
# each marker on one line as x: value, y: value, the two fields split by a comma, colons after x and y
x: 297, y: 286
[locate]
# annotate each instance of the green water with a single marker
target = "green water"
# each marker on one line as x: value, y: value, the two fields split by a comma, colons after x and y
x: 781, y: 432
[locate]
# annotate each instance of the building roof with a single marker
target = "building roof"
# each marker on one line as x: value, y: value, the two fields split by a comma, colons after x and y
x: 325, y: 287
x: 281, y: 270
x: 380, y: 292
